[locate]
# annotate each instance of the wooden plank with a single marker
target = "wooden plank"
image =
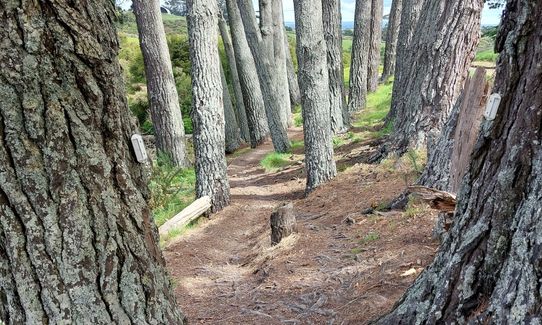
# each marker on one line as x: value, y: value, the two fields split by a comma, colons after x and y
x: 468, y: 126
x: 189, y: 214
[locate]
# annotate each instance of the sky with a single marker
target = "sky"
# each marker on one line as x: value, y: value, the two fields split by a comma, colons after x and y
x: 489, y: 16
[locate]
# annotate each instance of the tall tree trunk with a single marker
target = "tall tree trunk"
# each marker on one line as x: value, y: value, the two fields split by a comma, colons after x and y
x: 449, y: 160
x: 357, y: 94
x: 207, y: 103
x: 163, y: 98
x: 488, y: 269
x: 268, y: 76
x: 377, y: 8
x: 231, y: 128
x: 333, y: 35
x: 434, y: 69
x: 240, y: 110
x: 392, y: 36
x: 410, y: 14
x: 78, y: 244
x: 280, y: 61
x: 248, y: 78
x: 314, y: 84
x: 293, y: 85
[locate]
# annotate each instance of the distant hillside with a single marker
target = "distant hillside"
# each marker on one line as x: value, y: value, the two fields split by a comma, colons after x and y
x: 172, y: 24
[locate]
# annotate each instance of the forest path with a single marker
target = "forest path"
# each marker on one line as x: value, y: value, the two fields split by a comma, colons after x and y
x: 331, y: 272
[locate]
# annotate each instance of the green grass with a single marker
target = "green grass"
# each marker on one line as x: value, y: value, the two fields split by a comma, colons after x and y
x: 176, y: 232
x: 172, y: 190
x: 297, y: 144
x: 370, y: 237
x: 486, y: 56
x: 275, y: 161
x: 347, y: 43
x: 378, y: 106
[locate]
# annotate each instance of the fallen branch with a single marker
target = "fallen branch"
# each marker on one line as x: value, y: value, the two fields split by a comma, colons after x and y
x: 189, y: 214
x: 438, y: 200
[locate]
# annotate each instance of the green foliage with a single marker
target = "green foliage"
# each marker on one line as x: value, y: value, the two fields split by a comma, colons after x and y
x: 275, y: 161
x: 298, y: 119
x: 348, y: 32
x: 487, y: 56
x: 172, y: 189
x: 414, y: 159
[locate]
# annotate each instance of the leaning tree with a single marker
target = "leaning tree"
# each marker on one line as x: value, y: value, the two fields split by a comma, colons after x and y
x: 433, y: 70
x: 207, y: 103
x: 78, y: 244
x: 392, y: 37
x: 488, y: 269
x: 162, y: 92
x: 314, y: 85
x: 248, y: 78
x: 261, y: 48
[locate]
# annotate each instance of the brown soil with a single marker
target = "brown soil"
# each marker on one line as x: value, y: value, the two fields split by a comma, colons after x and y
x: 342, y: 267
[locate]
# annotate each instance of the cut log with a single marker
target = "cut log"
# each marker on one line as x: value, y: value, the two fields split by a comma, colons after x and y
x: 283, y: 223
x: 189, y: 214
x: 439, y: 200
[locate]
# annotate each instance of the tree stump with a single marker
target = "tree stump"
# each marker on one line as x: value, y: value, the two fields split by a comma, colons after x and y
x: 283, y: 223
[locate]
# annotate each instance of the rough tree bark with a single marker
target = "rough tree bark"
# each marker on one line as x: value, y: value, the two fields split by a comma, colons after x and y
x: 377, y: 9
x: 331, y: 17
x: 357, y: 94
x: 248, y: 78
x: 232, y: 135
x: 410, y: 14
x: 449, y: 161
x: 267, y: 74
x: 207, y: 104
x: 314, y: 84
x: 283, y: 223
x: 489, y: 267
x: 293, y: 85
x: 433, y: 72
x: 240, y: 110
x: 162, y: 93
x: 392, y: 36
x: 279, y: 34
x: 77, y: 240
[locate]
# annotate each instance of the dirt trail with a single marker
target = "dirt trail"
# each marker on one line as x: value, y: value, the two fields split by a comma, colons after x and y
x: 334, y: 271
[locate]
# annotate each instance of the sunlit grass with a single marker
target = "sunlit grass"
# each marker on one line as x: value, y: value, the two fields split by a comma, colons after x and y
x: 275, y: 161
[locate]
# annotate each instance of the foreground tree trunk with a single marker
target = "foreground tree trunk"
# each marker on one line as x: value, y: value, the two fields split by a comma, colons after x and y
x: 240, y: 110
x: 207, y: 104
x: 377, y: 9
x: 410, y: 14
x: 248, y: 78
x: 331, y: 17
x: 434, y: 69
x: 293, y: 85
x: 313, y: 80
x: 78, y: 244
x: 231, y: 128
x: 357, y: 94
x: 488, y: 269
x: 268, y: 76
x: 449, y: 160
x: 392, y: 36
x: 163, y: 98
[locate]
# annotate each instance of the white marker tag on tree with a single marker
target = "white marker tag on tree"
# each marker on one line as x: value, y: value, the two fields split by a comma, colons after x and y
x: 139, y: 148
x: 492, y: 107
